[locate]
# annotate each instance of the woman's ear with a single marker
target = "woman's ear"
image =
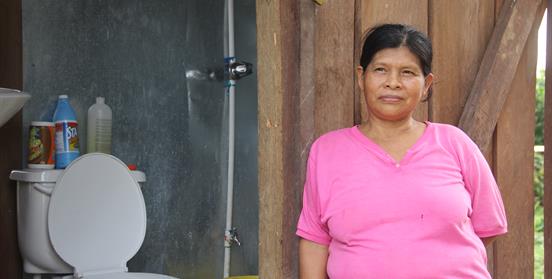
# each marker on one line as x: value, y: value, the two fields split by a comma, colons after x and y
x: 428, y: 81
x: 360, y: 77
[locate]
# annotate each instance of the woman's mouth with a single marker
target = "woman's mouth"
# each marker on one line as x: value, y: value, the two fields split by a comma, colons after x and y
x: 390, y: 98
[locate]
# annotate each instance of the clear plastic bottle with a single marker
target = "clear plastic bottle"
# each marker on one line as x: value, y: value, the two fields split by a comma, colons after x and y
x: 99, y: 127
x: 67, y: 138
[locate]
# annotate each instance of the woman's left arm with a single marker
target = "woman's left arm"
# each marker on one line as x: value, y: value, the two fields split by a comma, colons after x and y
x: 488, y: 216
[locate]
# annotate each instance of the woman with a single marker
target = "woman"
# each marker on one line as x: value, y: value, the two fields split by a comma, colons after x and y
x: 395, y: 197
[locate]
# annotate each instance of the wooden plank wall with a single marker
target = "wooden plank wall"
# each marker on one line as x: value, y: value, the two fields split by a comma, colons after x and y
x: 334, y: 66
x: 459, y: 41
x: 459, y: 31
x: 513, y: 164
x: 286, y: 126
x: 11, y: 76
x: 412, y: 12
x: 497, y: 70
x: 327, y: 45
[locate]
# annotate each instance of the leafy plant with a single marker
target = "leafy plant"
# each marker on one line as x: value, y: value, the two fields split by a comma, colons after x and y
x: 538, y: 179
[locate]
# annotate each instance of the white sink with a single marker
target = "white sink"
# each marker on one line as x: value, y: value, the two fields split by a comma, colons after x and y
x: 11, y: 101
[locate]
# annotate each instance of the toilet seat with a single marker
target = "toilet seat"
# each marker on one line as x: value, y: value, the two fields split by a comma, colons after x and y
x: 97, y: 217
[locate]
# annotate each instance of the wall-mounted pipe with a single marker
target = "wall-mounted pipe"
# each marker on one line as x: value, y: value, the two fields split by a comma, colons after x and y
x: 229, y: 233
x: 235, y: 70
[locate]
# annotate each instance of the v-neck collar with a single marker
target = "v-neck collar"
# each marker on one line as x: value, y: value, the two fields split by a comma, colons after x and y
x: 371, y: 145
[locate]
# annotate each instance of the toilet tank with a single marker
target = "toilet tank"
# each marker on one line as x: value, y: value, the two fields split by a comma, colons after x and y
x: 44, y: 180
x: 34, y: 187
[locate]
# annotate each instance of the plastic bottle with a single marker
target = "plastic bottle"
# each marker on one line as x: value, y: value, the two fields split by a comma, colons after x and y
x: 67, y: 138
x: 99, y: 127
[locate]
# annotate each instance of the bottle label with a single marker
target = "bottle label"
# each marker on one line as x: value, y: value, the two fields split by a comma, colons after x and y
x: 41, y: 146
x: 67, y: 138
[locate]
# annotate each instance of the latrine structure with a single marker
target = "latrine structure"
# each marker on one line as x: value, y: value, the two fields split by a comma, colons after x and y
x: 484, y: 63
x: 485, y: 56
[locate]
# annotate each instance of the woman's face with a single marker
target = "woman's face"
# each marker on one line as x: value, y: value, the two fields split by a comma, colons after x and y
x: 393, y: 84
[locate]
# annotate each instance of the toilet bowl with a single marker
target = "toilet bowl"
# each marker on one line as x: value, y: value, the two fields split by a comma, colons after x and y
x: 85, y: 221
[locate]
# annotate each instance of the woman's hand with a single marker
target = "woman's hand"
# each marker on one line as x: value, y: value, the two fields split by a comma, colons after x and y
x: 312, y: 260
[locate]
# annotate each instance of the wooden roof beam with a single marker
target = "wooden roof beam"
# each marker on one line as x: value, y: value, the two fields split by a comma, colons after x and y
x: 498, y: 67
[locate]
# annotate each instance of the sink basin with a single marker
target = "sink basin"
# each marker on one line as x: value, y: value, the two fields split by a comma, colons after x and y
x: 11, y: 101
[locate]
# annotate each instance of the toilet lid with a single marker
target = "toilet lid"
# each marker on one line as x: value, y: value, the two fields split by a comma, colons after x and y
x: 97, y: 215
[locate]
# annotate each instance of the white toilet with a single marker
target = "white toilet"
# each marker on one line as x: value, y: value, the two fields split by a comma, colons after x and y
x: 85, y: 221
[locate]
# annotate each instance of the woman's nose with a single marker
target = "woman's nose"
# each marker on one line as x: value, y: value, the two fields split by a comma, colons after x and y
x: 393, y: 81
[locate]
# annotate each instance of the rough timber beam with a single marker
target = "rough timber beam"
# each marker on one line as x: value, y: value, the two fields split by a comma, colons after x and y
x: 498, y: 68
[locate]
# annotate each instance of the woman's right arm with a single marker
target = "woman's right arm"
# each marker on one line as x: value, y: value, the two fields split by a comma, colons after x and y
x: 312, y: 260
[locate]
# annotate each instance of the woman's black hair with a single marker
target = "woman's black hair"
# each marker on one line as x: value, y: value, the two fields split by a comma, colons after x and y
x: 393, y: 36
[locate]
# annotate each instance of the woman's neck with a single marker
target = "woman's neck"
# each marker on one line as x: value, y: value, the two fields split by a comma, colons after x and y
x: 382, y: 129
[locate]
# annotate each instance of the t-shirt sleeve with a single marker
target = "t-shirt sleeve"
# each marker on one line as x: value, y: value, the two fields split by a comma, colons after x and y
x: 310, y: 226
x: 487, y: 216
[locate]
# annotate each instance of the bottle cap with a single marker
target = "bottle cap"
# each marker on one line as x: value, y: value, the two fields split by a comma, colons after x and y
x: 100, y: 100
x: 131, y: 167
x: 63, y: 97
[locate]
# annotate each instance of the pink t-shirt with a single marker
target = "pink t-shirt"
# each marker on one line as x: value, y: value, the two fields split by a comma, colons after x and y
x: 420, y: 218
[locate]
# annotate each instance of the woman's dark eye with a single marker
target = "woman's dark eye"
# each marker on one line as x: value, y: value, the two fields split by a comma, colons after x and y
x: 379, y: 69
x: 408, y: 72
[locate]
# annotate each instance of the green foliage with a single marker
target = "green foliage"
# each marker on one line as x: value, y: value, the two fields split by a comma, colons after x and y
x: 539, y: 243
x: 538, y: 186
x: 538, y: 179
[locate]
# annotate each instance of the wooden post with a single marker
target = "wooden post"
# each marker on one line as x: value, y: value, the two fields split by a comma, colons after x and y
x: 497, y: 69
x: 11, y: 76
x: 513, y: 160
x: 278, y: 52
x: 334, y: 66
